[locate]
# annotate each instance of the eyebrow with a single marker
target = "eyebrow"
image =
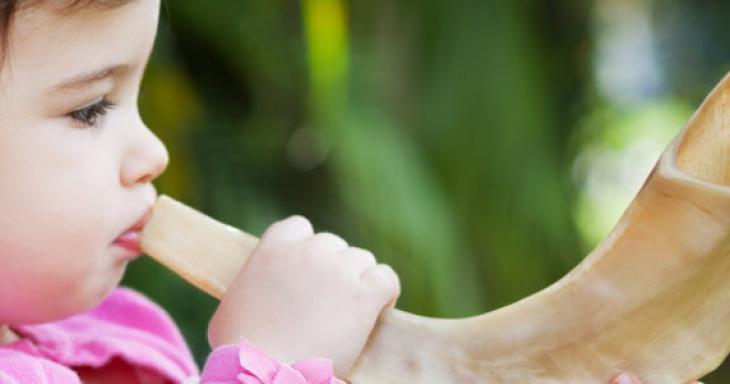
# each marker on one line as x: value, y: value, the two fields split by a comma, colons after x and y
x: 87, y: 78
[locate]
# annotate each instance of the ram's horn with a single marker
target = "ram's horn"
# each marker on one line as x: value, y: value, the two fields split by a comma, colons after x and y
x: 653, y: 298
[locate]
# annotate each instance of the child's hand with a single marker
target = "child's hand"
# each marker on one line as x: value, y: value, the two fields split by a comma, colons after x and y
x: 627, y: 378
x: 302, y: 295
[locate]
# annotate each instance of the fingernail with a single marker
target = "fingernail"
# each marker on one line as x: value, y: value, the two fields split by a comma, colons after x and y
x: 623, y: 379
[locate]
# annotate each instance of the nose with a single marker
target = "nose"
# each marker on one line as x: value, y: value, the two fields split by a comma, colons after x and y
x: 145, y: 157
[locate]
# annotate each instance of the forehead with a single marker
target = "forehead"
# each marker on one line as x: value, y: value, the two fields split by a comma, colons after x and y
x: 48, y: 42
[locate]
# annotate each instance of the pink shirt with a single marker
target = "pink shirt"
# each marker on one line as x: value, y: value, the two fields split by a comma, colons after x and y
x: 128, y: 327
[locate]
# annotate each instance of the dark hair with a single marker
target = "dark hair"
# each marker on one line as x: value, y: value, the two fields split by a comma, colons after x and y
x: 9, y: 7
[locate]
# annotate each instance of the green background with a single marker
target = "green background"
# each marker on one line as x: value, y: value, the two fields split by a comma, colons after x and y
x: 480, y: 147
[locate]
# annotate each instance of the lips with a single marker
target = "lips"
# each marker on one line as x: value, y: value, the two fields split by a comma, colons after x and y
x: 129, y: 239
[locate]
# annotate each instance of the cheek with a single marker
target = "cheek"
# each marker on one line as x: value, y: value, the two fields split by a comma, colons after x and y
x: 50, y: 243
x: 73, y: 224
x: 50, y: 230
x: 60, y: 204
x: 58, y: 214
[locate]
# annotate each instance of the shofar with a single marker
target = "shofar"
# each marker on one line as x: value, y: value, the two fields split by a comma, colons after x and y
x: 653, y: 298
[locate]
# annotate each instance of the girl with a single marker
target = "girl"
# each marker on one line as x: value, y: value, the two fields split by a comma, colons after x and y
x: 76, y: 166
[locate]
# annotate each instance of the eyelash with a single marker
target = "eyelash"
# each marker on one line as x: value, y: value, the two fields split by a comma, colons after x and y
x: 89, y: 115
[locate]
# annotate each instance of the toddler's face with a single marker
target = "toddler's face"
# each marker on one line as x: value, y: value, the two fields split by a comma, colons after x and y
x: 76, y: 161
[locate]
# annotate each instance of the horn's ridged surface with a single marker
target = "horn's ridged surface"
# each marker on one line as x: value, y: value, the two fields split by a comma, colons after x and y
x: 653, y: 298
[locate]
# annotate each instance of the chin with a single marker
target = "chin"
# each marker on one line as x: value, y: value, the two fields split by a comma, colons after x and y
x: 89, y: 295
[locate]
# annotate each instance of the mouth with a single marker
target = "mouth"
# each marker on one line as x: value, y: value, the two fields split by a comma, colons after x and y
x: 129, y: 239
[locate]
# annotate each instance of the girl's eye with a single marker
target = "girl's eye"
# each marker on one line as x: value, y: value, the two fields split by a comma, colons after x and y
x: 89, y: 115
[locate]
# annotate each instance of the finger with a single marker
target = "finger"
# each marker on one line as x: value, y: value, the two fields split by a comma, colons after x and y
x: 384, y: 281
x: 625, y: 378
x: 326, y: 242
x: 359, y: 259
x: 292, y: 229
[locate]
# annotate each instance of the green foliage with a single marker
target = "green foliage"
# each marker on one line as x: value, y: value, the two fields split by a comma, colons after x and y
x: 439, y: 135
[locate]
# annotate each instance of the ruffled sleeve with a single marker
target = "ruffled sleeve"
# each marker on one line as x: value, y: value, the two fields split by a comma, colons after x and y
x: 246, y: 364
